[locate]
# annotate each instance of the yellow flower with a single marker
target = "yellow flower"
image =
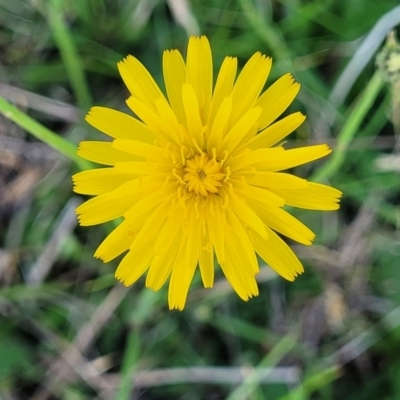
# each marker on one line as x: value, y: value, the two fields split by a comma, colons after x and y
x: 195, y: 175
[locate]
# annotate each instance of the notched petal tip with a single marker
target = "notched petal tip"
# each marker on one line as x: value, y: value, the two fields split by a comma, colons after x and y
x: 78, y: 210
x: 121, y: 279
x: 294, y: 276
x: 308, y: 241
x: 99, y: 256
x: 125, y: 60
x: 326, y: 146
x: 337, y: 193
x: 130, y: 99
x: 80, y: 219
x: 88, y: 115
x: 293, y: 83
x: 175, y: 307
x: 198, y: 38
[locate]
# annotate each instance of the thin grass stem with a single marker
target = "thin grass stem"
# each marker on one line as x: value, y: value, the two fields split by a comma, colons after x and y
x: 42, y: 133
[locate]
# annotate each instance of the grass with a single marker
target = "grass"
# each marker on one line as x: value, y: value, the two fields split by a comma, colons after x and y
x: 69, y: 331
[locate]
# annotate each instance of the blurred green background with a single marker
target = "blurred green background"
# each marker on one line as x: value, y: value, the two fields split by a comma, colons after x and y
x: 69, y: 331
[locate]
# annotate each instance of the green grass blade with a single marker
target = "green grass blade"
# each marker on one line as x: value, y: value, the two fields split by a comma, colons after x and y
x: 313, y: 383
x: 350, y: 129
x: 69, y: 55
x: 267, y: 31
x: 42, y: 133
x: 250, y: 383
x: 131, y: 355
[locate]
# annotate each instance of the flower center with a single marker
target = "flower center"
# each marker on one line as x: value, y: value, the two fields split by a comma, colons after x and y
x: 203, y: 175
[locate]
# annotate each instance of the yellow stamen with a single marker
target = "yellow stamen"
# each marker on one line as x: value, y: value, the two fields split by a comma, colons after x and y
x: 203, y: 175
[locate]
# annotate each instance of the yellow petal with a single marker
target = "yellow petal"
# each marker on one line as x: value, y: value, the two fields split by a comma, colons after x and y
x: 148, y: 203
x: 103, y: 153
x: 216, y: 229
x: 139, y: 187
x: 276, y: 132
x: 98, y: 181
x: 199, y: 73
x: 155, y: 216
x: 143, y: 168
x: 181, y: 278
x: 281, y: 221
x: 249, y: 84
x: 278, y: 180
x: 175, y: 131
x: 174, y: 78
x: 223, y: 86
x: 102, y: 208
x: 262, y: 195
x: 166, y: 247
x: 219, y: 125
x: 139, y: 81
x: 134, y: 265
x: 206, y: 260
x: 249, y: 158
x: 277, y: 99
x: 239, y: 131
x: 118, y: 241
x: 150, y: 118
x: 314, y: 197
x: 141, y: 149
x: 277, y: 254
x: 236, y: 271
x: 243, y: 241
x: 170, y: 229
x: 293, y: 158
x: 247, y: 215
x: 193, y: 120
x: 119, y: 125
x: 161, y: 266
x: 193, y: 233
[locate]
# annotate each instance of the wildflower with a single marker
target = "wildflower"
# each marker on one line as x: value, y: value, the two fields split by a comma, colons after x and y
x: 197, y: 175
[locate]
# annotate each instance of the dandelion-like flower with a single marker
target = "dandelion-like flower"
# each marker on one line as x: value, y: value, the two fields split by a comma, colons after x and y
x: 196, y: 176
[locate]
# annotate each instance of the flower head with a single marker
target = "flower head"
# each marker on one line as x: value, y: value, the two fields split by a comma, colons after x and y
x: 196, y: 176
